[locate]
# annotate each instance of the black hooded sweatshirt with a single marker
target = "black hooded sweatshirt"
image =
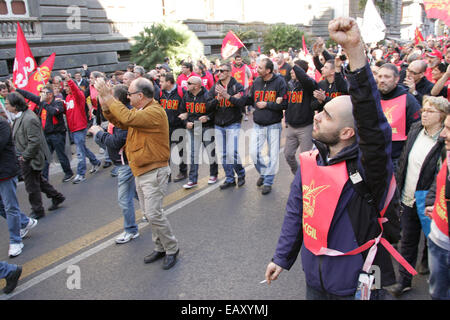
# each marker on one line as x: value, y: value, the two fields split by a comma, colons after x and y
x: 268, y: 91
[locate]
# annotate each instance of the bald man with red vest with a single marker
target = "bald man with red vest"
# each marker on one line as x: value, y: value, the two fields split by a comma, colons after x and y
x: 341, y: 211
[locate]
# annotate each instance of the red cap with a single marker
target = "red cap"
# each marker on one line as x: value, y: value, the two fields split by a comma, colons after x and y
x: 435, y: 54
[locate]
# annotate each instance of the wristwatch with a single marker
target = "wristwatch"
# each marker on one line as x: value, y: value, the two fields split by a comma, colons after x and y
x: 415, y: 92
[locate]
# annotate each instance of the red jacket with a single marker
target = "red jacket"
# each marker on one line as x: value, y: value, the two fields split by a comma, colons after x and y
x: 75, y: 108
x: 182, y: 80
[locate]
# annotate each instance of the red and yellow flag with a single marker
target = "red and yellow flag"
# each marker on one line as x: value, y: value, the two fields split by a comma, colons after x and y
x: 438, y: 9
x: 418, y: 37
x: 231, y: 43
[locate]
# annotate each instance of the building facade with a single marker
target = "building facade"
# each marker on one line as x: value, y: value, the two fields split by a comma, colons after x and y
x: 99, y: 32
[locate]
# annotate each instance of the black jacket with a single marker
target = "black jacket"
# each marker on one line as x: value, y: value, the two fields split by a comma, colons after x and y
x: 300, y: 96
x: 332, y: 90
x: 197, y: 106
x: 268, y: 91
x: 54, y: 122
x: 9, y: 165
x: 170, y: 102
x: 355, y: 218
x: 114, y: 142
x: 430, y: 166
x: 423, y: 88
x: 412, y: 115
x: 226, y: 113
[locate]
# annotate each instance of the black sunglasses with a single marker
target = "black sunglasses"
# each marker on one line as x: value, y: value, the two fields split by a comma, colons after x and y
x: 223, y: 70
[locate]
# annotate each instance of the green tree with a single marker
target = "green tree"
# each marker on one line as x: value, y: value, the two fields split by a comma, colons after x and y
x: 166, y: 39
x: 282, y: 37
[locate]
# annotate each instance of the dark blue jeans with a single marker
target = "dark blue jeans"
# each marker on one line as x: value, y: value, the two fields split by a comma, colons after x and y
x: 57, y: 142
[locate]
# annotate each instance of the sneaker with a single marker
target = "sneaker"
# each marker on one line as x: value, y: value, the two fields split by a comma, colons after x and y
x: 15, y: 249
x: 78, y: 179
x: 56, y: 202
x: 31, y: 224
x: 95, y: 168
x: 260, y: 182
x: 101, y: 150
x: 67, y: 177
x: 125, y: 237
x: 107, y: 164
x: 398, y: 289
x: 212, y: 180
x: 266, y: 189
x: 12, y: 279
x: 190, y: 185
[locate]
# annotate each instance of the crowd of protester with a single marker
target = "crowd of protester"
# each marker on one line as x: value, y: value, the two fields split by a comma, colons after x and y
x: 208, y: 101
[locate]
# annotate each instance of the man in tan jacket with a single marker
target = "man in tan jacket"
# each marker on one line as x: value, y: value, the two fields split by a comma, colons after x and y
x: 147, y: 150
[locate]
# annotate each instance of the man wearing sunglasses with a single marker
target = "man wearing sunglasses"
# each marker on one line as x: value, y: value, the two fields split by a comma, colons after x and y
x: 198, y: 117
x: 227, y: 119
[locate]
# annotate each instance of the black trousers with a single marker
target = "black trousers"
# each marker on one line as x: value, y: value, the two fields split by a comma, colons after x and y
x: 35, y: 183
x: 411, y: 232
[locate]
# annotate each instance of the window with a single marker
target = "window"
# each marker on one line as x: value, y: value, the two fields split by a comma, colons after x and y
x: 13, y: 8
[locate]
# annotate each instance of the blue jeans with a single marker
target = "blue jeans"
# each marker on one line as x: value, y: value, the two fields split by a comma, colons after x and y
x: 439, y: 264
x: 126, y: 194
x: 6, y: 269
x: 227, y: 139
x: 205, y: 137
x: 9, y: 209
x: 79, y: 138
x: 267, y: 168
x: 57, y: 142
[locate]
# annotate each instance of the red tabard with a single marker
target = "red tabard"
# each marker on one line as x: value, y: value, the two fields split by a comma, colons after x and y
x: 239, y: 74
x: 395, y: 112
x: 440, y: 214
x: 322, y: 187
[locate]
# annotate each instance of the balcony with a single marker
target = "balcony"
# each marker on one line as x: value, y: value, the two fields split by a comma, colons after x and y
x: 30, y: 26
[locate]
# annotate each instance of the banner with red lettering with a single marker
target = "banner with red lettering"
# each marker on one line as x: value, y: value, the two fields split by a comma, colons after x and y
x: 24, y: 63
x: 438, y: 9
x: 231, y: 43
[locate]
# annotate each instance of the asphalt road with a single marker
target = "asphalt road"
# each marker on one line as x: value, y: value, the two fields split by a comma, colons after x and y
x: 226, y: 239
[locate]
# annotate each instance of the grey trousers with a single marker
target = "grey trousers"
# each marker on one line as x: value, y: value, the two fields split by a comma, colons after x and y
x: 296, y: 137
x: 151, y: 188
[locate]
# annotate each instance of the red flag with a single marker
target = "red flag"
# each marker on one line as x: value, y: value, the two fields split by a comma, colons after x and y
x: 231, y: 43
x: 259, y: 49
x: 305, y: 49
x: 438, y: 9
x: 40, y: 77
x: 418, y: 36
x: 24, y: 62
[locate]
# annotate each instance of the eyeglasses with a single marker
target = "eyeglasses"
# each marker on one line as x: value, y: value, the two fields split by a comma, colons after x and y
x: 191, y: 83
x: 223, y: 70
x: 423, y: 110
x: 413, y: 72
x: 131, y: 93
